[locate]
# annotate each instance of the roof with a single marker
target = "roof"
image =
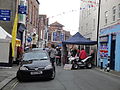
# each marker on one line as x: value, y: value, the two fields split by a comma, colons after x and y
x: 78, y: 39
x: 56, y: 24
x: 5, y: 35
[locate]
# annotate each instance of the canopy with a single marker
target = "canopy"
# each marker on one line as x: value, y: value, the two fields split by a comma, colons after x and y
x: 78, y: 39
x: 6, y: 36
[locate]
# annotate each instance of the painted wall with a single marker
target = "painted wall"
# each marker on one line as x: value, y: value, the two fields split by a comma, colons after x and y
x: 117, y: 53
x: 115, y: 29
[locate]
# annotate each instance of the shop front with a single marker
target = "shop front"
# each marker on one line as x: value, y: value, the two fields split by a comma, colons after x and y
x: 109, y: 46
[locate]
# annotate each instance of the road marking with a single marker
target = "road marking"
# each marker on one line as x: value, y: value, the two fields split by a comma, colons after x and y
x: 14, y: 85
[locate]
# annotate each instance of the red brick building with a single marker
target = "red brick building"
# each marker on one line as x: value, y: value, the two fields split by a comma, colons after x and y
x: 43, y: 23
x: 56, y: 34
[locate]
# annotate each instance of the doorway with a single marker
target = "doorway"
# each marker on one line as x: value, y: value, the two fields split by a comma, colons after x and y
x: 112, y: 60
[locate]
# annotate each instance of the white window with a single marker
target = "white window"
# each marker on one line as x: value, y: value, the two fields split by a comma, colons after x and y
x: 114, y: 13
x: 119, y: 11
x: 106, y: 17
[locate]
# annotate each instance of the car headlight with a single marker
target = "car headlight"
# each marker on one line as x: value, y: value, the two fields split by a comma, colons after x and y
x: 23, y: 68
x: 48, y: 67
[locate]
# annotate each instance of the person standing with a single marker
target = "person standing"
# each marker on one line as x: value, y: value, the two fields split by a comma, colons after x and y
x: 58, y: 56
x: 82, y: 54
x: 92, y: 54
x: 52, y: 54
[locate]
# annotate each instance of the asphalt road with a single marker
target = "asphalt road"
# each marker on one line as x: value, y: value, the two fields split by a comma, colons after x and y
x: 84, y: 79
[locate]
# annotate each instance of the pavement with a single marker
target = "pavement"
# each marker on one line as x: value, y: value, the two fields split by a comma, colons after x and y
x: 7, y: 74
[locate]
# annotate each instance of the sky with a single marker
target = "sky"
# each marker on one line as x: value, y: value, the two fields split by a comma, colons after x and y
x: 66, y: 12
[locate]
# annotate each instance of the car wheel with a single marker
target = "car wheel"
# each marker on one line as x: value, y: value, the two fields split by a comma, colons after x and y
x: 53, y: 75
x: 75, y: 66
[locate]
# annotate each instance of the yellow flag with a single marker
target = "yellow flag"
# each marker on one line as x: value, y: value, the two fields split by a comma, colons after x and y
x: 14, y: 32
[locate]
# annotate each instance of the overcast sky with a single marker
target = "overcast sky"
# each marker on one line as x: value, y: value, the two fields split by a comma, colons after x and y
x: 65, y: 12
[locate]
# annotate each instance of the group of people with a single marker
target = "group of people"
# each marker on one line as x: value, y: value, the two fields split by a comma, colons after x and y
x: 81, y: 53
x: 55, y: 54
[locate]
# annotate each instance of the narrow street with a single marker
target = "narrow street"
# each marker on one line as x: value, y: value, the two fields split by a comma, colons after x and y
x: 84, y: 79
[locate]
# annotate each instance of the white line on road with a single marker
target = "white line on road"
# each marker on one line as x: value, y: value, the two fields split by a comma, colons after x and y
x: 14, y: 85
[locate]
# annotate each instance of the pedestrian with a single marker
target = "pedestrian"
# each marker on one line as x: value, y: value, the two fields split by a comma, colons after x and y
x: 73, y: 52
x: 82, y: 54
x: 52, y: 54
x: 92, y: 54
x: 58, y: 56
x: 20, y: 52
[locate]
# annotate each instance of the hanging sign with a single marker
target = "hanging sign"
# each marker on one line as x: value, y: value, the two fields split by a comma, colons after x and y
x: 5, y: 15
x: 22, y: 9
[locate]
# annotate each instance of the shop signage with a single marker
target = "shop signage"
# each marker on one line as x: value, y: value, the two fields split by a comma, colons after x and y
x: 22, y: 9
x: 58, y: 36
x: 104, y: 39
x: 5, y: 15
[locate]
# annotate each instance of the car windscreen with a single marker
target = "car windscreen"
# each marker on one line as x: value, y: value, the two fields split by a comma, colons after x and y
x: 35, y: 56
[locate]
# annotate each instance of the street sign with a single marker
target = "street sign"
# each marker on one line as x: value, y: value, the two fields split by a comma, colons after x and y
x: 29, y: 39
x: 5, y: 15
x: 22, y: 9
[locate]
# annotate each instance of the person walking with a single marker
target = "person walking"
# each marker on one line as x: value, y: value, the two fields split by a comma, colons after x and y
x: 52, y: 54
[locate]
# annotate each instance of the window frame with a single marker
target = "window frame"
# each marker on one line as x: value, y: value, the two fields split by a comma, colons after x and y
x: 114, y: 13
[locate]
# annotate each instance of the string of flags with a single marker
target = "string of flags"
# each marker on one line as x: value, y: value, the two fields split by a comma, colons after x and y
x: 89, y: 1
x: 90, y: 4
x: 63, y: 13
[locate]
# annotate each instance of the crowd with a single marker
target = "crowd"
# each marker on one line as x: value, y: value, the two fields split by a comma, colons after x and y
x: 55, y: 54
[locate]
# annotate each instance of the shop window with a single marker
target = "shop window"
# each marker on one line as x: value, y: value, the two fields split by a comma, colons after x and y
x: 104, y: 47
x: 114, y: 13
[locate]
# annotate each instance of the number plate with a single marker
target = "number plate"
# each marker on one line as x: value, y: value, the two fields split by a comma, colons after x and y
x: 34, y: 73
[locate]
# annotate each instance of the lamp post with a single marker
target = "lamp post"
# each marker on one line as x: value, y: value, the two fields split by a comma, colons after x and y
x: 98, y: 24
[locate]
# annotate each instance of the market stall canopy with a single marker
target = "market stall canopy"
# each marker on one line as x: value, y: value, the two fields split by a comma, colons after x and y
x: 6, y: 36
x: 78, y: 39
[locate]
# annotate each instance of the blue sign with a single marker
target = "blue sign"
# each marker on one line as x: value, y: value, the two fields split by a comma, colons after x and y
x: 5, y: 15
x: 61, y: 37
x: 29, y: 39
x: 22, y: 9
x: 58, y: 36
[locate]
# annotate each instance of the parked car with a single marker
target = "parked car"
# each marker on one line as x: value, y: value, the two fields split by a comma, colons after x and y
x: 35, y: 65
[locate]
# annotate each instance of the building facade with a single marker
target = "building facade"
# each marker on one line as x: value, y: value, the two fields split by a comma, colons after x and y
x: 109, y: 34
x: 88, y: 19
x: 43, y: 26
x: 8, y: 7
x: 32, y: 20
x: 56, y: 34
